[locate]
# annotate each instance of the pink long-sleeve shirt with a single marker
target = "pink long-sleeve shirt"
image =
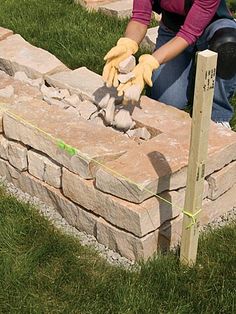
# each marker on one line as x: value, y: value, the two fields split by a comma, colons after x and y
x: 197, y: 19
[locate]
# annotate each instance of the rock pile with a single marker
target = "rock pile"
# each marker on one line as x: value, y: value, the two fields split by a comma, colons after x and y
x: 54, y: 143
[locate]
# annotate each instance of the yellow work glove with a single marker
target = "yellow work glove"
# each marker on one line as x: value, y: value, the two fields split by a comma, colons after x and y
x: 142, y: 74
x: 124, y: 48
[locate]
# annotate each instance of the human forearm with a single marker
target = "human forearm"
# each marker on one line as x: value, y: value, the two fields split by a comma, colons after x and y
x: 136, y: 31
x: 170, y: 50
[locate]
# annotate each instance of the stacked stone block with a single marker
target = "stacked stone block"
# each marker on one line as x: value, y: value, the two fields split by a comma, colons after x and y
x: 106, y: 183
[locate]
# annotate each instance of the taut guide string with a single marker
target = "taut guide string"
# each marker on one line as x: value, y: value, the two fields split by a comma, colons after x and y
x: 73, y: 151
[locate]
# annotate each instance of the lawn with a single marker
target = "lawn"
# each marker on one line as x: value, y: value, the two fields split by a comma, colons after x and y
x: 76, y: 37
x: 44, y: 271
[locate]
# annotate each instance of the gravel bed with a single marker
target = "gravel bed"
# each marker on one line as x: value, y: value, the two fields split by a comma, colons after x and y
x: 88, y: 240
x: 60, y: 223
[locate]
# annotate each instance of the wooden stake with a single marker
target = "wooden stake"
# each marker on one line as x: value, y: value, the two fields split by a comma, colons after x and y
x: 202, y: 108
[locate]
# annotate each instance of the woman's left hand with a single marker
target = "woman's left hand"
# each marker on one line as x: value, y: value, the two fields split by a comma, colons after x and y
x: 142, y: 74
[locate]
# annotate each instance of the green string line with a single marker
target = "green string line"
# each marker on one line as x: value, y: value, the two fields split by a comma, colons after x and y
x: 73, y: 151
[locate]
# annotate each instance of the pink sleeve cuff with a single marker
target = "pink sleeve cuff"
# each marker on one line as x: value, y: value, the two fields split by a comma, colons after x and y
x: 142, y: 11
x: 191, y: 39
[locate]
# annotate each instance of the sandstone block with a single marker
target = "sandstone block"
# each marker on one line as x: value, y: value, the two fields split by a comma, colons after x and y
x: 3, y: 108
x: 44, y: 169
x: 170, y: 233
x: 221, y: 146
x: 16, y: 54
x: 22, y: 91
x: 17, y: 155
x: 154, y: 114
x: 94, y: 4
x: 222, y: 180
x: 137, y: 219
x: 218, y: 207
x: 120, y: 9
x: 177, y: 123
x: 75, y: 215
x: 8, y: 172
x: 86, y: 109
x: 4, y: 33
x: 43, y: 127
x: 155, y: 166
x: 83, y: 82
x: 125, y: 243
x: 7, y: 92
x: 3, y: 147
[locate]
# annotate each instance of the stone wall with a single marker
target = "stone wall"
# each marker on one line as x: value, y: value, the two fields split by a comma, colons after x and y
x: 100, y: 179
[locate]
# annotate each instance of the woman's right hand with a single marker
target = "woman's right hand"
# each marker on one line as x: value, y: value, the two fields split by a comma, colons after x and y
x: 124, y: 48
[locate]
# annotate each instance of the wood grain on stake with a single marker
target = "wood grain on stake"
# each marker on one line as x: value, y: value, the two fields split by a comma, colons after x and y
x: 202, y: 107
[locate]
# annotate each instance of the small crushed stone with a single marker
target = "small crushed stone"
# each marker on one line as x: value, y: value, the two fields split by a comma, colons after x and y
x: 112, y: 257
x: 60, y: 223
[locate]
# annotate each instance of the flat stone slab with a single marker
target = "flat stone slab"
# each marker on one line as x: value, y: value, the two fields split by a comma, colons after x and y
x: 22, y: 91
x: 136, y: 219
x: 220, y: 206
x: 120, y: 9
x: 177, y: 123
x: 83, y: 82
x: 16, y: 54
x: 74, y: 214
x: 221, y: 145
x: 125, y: 243
x: 94, y: 4
x: 155, y: 166
x: 42, y: 126
x: 221, y: 181
x: 4, y: 33
x: 154, y: 114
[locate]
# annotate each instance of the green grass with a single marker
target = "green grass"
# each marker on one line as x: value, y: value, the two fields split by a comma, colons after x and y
x: 44, y: 271
x: 68, y: 31
x: 76, y: 37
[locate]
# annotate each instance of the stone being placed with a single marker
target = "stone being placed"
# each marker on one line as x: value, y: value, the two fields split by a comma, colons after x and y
x: 109, y: 111
x: 127, y: 65
x: 103, y: 103
x: 83, y: 82
x: 16, y: 54
x: 124, y: 78
x: 123, y: 120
